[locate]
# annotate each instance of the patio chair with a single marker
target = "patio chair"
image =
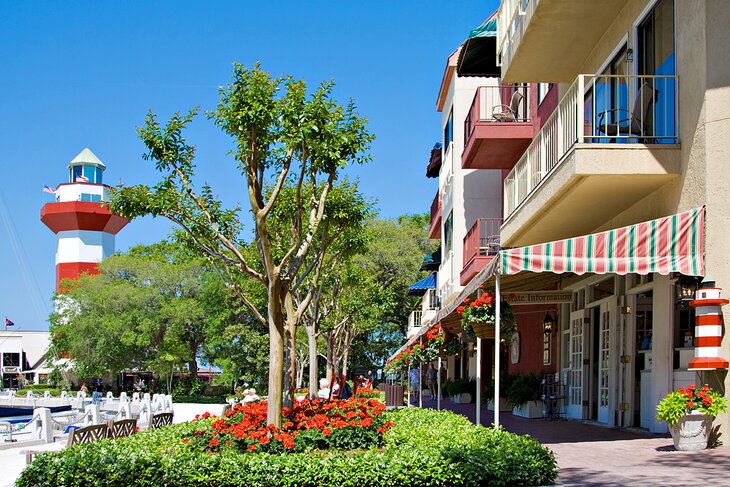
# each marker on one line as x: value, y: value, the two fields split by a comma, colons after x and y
x: 635, y: 122
x: 121, y: 428
x: 508, y: 113
x: 161, y: 419
x: 87, y: 434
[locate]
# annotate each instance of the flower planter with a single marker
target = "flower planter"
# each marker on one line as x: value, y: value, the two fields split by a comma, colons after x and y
x: 692, y: 431
x: 529, y: 409
x: 483, y: 329
x: 503, y: 406
x: 463, y: 398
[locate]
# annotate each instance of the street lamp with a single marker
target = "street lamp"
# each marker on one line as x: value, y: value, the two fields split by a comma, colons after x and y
x: 547, y: 324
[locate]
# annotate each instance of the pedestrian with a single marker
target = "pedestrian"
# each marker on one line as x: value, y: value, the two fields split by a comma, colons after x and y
x: 431, y: 376
x: 370, y: 379
x: 414, y: 379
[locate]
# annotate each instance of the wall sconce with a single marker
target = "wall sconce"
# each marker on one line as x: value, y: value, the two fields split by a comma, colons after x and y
x: 630, y: 55
x: 685, y: 288
x: 547, y: 324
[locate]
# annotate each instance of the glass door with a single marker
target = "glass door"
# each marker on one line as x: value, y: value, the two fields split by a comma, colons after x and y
x: 576, y: 377
x: 604, y: 363
x: 656, y: 66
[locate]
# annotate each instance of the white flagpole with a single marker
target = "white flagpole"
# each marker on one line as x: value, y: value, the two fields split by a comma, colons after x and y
x: 497, y: 324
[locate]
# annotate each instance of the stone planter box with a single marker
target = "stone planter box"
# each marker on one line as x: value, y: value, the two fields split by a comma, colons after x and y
x: 692, y: 431
x: 463, y: 398
x: 530, y: 410
x: 503, y: 406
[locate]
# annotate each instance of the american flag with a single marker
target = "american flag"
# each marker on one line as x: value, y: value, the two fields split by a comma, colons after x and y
x: 48, y: 189
x: 82, y: 179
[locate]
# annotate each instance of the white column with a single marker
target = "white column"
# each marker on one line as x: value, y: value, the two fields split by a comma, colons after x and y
x: 438, y: 386
x: 497, y: 324
x: 479, y: 381
x: 662, y: 368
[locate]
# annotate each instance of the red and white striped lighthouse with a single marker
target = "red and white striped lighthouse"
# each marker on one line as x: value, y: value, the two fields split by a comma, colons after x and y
x: 708, y: 328
x: 86, y: 230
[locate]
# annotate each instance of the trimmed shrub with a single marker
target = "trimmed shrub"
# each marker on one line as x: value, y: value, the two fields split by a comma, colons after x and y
x: 424, y: 448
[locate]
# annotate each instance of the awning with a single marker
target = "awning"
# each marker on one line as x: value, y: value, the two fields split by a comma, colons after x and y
x: 671, y: 244
x: 432, y: 261
x: 419, y: 288
x: 478, y: 56
x: 434, y: 162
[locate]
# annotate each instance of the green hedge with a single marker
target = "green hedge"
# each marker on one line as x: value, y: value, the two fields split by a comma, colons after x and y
x: 425, y: 448
x: 38, y: 390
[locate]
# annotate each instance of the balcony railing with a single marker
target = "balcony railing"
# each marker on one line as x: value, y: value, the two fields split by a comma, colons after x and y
x: 512, y: 19
x: 596, y: 109
x: 431, y: 301
x: 482, y: 239
x: 498, y: 103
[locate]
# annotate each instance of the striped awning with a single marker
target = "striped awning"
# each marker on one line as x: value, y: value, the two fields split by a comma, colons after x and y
x: 671, y: 244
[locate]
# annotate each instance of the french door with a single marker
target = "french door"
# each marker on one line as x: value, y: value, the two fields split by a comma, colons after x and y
x: 604, y: 363
x: 577, y: 376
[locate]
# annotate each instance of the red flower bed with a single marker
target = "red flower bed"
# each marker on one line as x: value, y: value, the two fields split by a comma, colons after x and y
x: 367, y: 393
x: 318, y: 424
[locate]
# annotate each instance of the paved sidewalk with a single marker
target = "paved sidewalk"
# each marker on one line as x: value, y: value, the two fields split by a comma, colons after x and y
x: 589, y: 454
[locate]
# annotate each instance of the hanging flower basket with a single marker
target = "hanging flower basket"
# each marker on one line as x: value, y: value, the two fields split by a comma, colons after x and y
x: 483, y: 329
x: 478, y: 318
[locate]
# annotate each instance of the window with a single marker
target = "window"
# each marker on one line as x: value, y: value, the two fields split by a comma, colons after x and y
x: 601, y: 290
x: 448, y: 232
x: 90, y: 197
x: 11, y: 360
x: 542, y: 91
x: 449, y: 130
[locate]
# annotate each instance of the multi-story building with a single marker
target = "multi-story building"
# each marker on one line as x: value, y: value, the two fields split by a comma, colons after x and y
x: 22, y: 357
x: 630, y: 126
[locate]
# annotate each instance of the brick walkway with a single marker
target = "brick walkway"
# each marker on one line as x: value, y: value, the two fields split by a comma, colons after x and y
x: 588, y: 454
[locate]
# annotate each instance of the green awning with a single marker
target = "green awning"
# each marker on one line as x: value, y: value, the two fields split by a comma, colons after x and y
x: 432, y: 261
x: 478, y: 56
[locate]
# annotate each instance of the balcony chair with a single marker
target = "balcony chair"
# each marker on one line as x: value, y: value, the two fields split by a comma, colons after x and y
x: 508, y: 113
x: 636, y: 121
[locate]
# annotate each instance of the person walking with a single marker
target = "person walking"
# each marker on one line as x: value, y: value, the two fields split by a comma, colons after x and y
x: 414, y: 380
x: 431, y: 376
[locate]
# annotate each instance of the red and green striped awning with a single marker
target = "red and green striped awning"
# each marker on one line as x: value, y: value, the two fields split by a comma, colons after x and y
x: 671, y: 244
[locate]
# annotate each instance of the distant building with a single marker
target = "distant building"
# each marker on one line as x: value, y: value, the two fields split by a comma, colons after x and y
x: 22, y: 355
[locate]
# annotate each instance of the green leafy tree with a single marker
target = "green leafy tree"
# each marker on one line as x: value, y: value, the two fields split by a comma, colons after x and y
x: 149, y: 309
x: 287, y: 141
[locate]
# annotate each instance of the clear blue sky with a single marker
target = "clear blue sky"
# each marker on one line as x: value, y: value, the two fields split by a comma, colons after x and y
x: 83, y: 74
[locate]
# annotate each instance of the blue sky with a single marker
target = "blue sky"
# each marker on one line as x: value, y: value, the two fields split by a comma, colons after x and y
x: 83, y: 74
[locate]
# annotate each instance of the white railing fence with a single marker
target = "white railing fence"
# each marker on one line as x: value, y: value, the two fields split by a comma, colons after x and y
x: 596, y: 109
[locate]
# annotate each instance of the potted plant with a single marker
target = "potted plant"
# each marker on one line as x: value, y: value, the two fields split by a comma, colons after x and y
x: 461, y: 391
x: 524, y: 395
x: 689, y: 414
x: 505, y: 382
x: 478, y: 318
x: 442, y: 343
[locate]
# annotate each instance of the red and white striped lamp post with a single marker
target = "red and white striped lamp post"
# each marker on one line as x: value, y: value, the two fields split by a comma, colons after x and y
x: 708, y: 328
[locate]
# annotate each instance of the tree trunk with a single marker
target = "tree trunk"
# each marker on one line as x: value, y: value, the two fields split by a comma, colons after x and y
x: 290, y: 365
x: 330, y: 357
x: 345, y: 353
x: 313, y: 369
x: 276, y: 360
x: 193, y: 365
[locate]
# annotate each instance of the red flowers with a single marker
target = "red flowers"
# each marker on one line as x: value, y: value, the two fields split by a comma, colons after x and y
x: 327, y: 424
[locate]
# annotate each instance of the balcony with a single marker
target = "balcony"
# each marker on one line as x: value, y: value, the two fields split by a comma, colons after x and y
x: 414, y: 322
x: 548, y: 40
x: 481, y: 244
x: 498, y: 127
x: 434, y: 230
x: 611, y: 141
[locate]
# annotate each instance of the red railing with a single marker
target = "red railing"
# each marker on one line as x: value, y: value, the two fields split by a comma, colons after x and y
x: 482, y: 239
x: 497, y: 104
x: 435, y: 207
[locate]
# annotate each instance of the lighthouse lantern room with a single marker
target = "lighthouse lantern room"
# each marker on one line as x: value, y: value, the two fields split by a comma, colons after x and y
x: 85, y: 228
